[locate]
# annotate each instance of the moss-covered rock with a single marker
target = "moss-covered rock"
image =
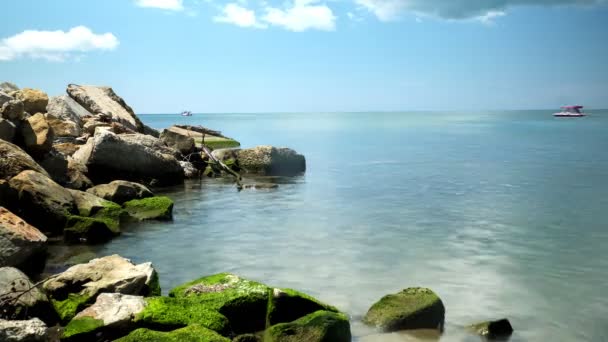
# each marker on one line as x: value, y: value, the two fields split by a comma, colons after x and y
x: 90, y: 230
x: 68, y: 307
x: 247, y: 338
x: 412, y: 308
x: 217, y: 142
x: 320, y: 326
x: 286, y: 305
x: 191, y: 333
x: 165, y: 313
x: 152, y: 208
x: 81, y: 327
x: 242, y: 301
x: 499, y: 329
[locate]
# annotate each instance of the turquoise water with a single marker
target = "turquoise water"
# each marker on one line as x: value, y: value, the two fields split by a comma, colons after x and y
x: 502, y: 214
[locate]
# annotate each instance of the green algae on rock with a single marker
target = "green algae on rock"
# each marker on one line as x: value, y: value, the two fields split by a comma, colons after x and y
x: 81, y: 327
x: 191, y: 333
x: 286, y: 305
x: 151, y: 208
x: 242, y: 301
x: 320, y: 326
x: 68, y: 307
x: 217, y: 142
x: 412, y: 308
x: 166, y: 313
x: 90, y: 230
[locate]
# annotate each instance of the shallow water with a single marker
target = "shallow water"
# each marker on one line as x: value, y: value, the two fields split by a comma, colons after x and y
x: 502, y: 214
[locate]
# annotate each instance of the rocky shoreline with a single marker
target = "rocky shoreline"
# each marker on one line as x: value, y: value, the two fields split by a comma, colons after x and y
x: 81, y: 166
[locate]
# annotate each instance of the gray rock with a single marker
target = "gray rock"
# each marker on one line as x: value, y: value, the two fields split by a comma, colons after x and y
x: 21, y: 245
x: 37, y: 135
x: 4, y: 97
x: 56, y: 165
x: 34, y: 100
x: 178, y: 139
x: 7, y: 130
x: 500, y: 329
x: 13, y: 160
x: 189, y: 170
x: 42, y: 202
x: 151, y: 131
x: 33, y: 330
x: 272, y: 161
x: 103, y: 100
x: 91, y: 126
x: 76, y: 175
x: 12, y: 110
x: 120, y: 191
x: 23, y: 299
x: 134, y: 157
x: 111, y: 274
x: 8, y: 87
x: 65, y: 108
x: 87, y: 203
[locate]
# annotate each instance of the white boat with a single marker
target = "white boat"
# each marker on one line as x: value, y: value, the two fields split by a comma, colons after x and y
x: 186, y: 113
x: 570, y: 112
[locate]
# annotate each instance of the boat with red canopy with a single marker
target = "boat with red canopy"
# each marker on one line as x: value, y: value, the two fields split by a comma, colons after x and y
x: 570, y: 112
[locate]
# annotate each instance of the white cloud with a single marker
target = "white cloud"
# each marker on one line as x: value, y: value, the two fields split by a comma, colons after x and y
x: 55, y: 45
x: 236, y: 14
x: 483, y: 10
x: 170, y: 5
x: 303, y: 15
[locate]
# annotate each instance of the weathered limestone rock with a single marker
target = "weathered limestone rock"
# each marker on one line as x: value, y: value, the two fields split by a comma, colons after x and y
x: 22, y: 299
x: 65, y: 108
x: 34, y: 101
x: 42, y: 202
x: 500, y: 329
x: 412, y: 308
x: 7, y: 130
x: 179, y: 139
x: 135, y: 157
x: 33, y: 330
x: 8, y: 87
x: 103, y: 100
x: 37, y: 135
x: 91, y: 126
x: 271, y: 160
x: 320, y: 326
x: 79, y: 286
x: 63, y: 128
x: 66, y: 148
x: 12, y: 110
x: 13, y: 160
x: 21, y: 245
x: 120, y: 191
x: 111, y: 314
x: 76, y: 176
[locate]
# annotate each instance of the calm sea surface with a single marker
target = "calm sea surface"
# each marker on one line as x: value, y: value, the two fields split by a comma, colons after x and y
x: 503, y: 214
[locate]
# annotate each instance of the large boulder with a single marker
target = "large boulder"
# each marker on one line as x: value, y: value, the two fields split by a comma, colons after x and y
x: 120, y: 191
x: 103, y: 100
x: 268, y: 160
x: 7, y: 130
x: 12, y: 110
x: 111, y: 314
x: 21, y: 299
x: 42, y: 202
x: 135, y: 157
x: 33, y: 330
x: 34, y: 100
x: 179, y: 139
x: 37, y: 135
x: 412, y: 308
x: 320, y: 326
x: 13, y: 160
x: 79, y: 286
x: 8, y: 87
x: 21, y: 245
x: 65, y: 108
x: 63, y: 127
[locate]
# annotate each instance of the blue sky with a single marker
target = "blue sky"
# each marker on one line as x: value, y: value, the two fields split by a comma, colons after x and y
x: 164, y: 56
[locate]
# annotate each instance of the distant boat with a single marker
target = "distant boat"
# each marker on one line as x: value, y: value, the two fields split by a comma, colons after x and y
x: 570, y: 112
x: 186, y: 113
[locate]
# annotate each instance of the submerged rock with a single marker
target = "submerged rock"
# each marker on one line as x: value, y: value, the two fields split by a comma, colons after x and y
x: 500, y: 329
x: 412, y: 308
x: 13, y: 160
x: 120, y: 191
x: 191, y: 333
x: 134, y: 157
x: 21, y: 245
x: 21, y: 300
x: 34, y: 100
x: 42, y: 202
x: 320, y: 326
x: 103, y: 100
x: 79, y: 286
x: 33, y: 330
x: 151, y: 208
x: 266, y: 160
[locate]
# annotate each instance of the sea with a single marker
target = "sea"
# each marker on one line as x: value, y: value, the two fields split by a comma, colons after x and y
x: 502, y: 214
